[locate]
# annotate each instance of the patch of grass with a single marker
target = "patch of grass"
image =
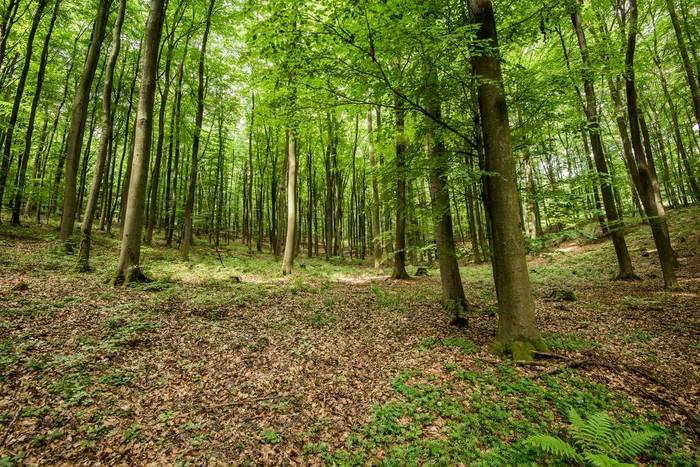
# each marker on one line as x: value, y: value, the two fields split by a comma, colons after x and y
x: 574, y: 342
x: 73, y: 389
x: 640, y: 335
x: 321, y: 318
x: 637, y: 303
x: 386, y: 299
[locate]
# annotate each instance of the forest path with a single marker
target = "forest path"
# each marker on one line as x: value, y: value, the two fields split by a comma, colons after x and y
x: 334, y: 364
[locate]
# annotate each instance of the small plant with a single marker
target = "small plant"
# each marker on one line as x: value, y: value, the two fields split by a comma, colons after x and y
x: 595, y: 441
x: 270, y: 437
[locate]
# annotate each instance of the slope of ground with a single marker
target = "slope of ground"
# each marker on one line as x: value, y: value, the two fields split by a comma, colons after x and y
x: 335, y: 364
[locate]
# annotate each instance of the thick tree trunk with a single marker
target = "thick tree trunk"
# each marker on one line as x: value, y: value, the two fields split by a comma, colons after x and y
x: 105, y: 140
x: 129, y: 269
x: 77, y: 125
x: 517, y: 331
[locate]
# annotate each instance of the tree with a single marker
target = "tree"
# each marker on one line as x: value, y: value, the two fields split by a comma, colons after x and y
x: 77, y: 125
x: 288, y: 259
x: 452, y: 291
x: 105, y: 141
x: 614, y: 226
x: 517, y: 332
x: 24, y: 158
x: 647, y: 185
x: 189, y: 204
x: 129, y: 268
x: 7, y: 148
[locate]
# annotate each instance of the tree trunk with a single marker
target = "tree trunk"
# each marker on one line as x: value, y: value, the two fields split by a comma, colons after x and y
x: 24, y: 159
x: 683, y: 50
x: 615, y: 226
x: 517, y: 332
x: 288, y: 260
x: 648, y: 187
x: 453, y: 298
x: 399, y: 271
x: 19, y: 93
x: 77, y: 125
x: 105, y: 140
x: 129, y: 269
x: 376, y: 234
x: 189, y: 205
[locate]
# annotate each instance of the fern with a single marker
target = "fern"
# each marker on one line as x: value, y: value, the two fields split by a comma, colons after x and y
x: 555, y: 446
x: 629, y: 444
x: 595, y: 441
x: 601, y: 460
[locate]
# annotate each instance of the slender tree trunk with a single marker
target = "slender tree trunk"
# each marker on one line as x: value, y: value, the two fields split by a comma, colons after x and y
x: 615, y: 225
x: 376, y: 234
x: 105, y: 140
x: 648, y: 187
x: 24, y: 159
x: 155, y: 181
x: 399, y: 271
x: 517, y: 332
x: 189, y: 204
x: 19, y: 93
x: 288, y: 260
x: 685, y: 58
x: 77, y: 125
x: 129, y: 269
x: 453, y: 297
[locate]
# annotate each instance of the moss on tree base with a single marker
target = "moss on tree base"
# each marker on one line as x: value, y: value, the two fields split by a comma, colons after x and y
x: 519, y: 349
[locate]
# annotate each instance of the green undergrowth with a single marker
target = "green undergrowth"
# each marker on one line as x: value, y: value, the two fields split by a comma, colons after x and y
x: 485, y: 417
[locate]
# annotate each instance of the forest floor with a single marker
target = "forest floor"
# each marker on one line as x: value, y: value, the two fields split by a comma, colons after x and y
x: 333, y: 364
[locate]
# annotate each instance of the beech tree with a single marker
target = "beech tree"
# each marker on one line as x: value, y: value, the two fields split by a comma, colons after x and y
x: 129, y: 267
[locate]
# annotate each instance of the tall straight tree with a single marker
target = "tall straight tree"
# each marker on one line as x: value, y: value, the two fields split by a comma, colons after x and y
x: 191, y: 189
x: 77, y: 123
x: 453, y: 297
x: 615, y: 225
x: 128, y: 269
x: 648, y: 187
x: 517, y: 331
x: 24, y: 158
x: 376, y: 240
x: 19, y: 93
x: 399, y: 271
x: 289, y: 249
x: 105, y: 142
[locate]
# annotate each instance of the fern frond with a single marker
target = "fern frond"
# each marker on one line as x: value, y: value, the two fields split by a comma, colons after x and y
x: 598, y: 431
x: 554, y: 446
x: 629, y: 444
x: 577, y: 423
x: 601, y: 460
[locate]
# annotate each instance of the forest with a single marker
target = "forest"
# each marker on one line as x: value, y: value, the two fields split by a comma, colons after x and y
x: 367, y: 232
